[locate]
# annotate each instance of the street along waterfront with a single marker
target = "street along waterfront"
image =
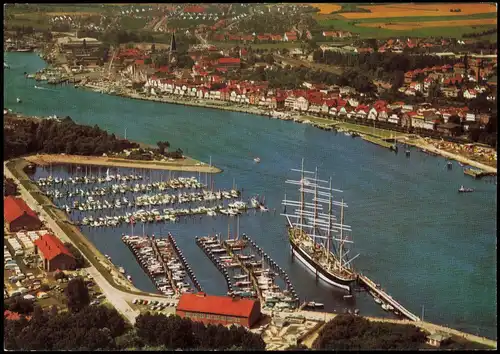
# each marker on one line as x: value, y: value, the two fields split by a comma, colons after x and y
x: 425, y: 243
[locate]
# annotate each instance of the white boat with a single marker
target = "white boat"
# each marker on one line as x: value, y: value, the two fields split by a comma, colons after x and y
x: 377, y: 300
x: 257, y: 159
x: 18, y: 100
x: 121, y: 270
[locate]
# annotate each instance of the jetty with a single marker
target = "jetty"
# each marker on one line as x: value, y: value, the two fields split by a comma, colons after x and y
x: 177, y: 250
x: 161, y: 262
x: 477, y: 174
x: 211, y: 246
x: 386, y: 298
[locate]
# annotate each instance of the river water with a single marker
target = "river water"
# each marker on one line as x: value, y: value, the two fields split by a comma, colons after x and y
x: 423, y: 242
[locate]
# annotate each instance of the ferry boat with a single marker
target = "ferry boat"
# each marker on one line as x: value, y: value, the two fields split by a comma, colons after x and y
x: 311, y: 232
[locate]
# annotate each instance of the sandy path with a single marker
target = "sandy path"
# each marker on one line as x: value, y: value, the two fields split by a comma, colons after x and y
x: 187, y: 165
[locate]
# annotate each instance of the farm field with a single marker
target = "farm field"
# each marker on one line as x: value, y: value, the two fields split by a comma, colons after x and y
x: 426, y: 10
x: 327, y: 8
x: 415, y: 25
x: 449, y: 26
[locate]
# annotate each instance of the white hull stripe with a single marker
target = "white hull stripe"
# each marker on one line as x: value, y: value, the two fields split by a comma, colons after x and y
x: 321, y: 276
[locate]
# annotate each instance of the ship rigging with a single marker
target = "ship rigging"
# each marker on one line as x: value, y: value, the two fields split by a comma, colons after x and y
x: 317, y: 237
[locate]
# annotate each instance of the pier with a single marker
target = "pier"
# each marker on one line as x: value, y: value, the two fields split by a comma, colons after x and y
x: 177, y: 250
x: 275, y: 267
x: 365, y: 281
x: 476, y: 173
x: 203, y: 244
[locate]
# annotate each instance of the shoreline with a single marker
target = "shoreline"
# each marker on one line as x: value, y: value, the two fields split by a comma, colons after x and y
x: 377, y: 140
x: 45, y: 159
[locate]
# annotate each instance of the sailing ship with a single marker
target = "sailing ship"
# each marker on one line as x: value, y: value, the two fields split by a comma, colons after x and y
x: 316, y: 237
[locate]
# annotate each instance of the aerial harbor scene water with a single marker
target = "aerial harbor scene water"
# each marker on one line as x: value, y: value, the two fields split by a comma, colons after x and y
x: 187, y: 205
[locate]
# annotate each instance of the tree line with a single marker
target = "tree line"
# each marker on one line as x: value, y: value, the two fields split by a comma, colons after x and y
x: 28, y: 136
x: 381, y: 65
x: 9, y: 187
x: 480, y: 34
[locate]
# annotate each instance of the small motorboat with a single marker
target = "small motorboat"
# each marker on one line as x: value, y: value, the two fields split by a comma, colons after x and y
x: 18, y: 100
x: 348, y: 296
x: 377, y: 300
x: 257, y: 159
x: 129, y: 278
x: 314, y: 305
x: 465, y: 190
x: 121, y: 270
x: 449, y: 164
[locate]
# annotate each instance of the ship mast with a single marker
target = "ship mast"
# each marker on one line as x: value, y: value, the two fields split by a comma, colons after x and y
x: 315, y: 205
x: 341, y: 248
x: 301, y: 196
x: 329, y: 224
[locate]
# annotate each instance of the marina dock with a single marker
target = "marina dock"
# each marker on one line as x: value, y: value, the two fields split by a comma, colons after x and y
x: 177, y: 250
x: 386, y: 298
x: 274, y: 267
x: 160, y: 261
x: 209, y: 245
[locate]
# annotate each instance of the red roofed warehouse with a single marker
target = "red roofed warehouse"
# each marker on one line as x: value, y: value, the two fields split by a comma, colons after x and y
x: 218, y: 309
x: 19, y: 216
x: 54, y: 254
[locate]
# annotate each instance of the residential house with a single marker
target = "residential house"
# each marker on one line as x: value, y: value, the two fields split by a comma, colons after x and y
x: 383, y: 115
x: 470, y: 94
x: 394, y: 119
x: 372, y: 114
x: 290, y: 36
x: 301, y: 104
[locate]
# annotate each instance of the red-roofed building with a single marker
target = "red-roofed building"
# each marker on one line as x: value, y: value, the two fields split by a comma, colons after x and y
x: 223, y: 310
x: 13, y: 316
x: 19, y: 216
x: 229, y: 62
x: 54, y: 254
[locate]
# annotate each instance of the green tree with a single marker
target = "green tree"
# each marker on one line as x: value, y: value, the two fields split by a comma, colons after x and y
x: 77, y: 294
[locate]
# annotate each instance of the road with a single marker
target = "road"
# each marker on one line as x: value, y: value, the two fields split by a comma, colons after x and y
x: 115, y: 296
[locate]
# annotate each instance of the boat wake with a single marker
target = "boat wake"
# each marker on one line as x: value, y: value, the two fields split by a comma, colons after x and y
x: 44, y: 88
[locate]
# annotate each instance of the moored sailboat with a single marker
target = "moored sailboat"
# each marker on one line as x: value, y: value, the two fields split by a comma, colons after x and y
x: 313, y: 234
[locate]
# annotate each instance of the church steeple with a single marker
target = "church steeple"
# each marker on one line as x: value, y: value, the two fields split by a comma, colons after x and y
x: 173, y: 45
x: 173, y: 50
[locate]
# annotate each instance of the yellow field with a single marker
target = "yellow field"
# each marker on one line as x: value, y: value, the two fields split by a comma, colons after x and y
x: 410, y: 10
x: 325, y: 9
x: 401, y: 26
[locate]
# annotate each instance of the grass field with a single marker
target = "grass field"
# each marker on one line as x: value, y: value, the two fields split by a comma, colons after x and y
x: 426, y: 10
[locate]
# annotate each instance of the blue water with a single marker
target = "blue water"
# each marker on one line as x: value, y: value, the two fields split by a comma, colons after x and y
x: 423, y: 242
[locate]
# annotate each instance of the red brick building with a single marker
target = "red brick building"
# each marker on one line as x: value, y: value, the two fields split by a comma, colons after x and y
x: 229, y: 62
x: 54, y: 254
x: 19, y: 216
x: 223, y: 310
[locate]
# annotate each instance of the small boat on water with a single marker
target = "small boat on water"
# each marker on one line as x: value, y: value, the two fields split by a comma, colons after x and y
x: 121, y: 270
x: 465, y: 190
x: 257, y: 159
x: 348, y: 296
x: 18, y: 100
x: 377, y: 300
x: 129, y: 278
x: 314, y: 305
x: 6, y: 66
x: 449, y: 164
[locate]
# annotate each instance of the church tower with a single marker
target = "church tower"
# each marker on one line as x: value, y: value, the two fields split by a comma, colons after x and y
x: 172, y: 55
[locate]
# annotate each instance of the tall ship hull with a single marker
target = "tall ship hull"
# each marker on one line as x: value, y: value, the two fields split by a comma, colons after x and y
x: 328, y: 277
x: 317, y: 237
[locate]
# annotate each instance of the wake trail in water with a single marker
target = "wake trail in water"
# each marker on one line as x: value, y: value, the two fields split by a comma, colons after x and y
x: 44, y: 88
